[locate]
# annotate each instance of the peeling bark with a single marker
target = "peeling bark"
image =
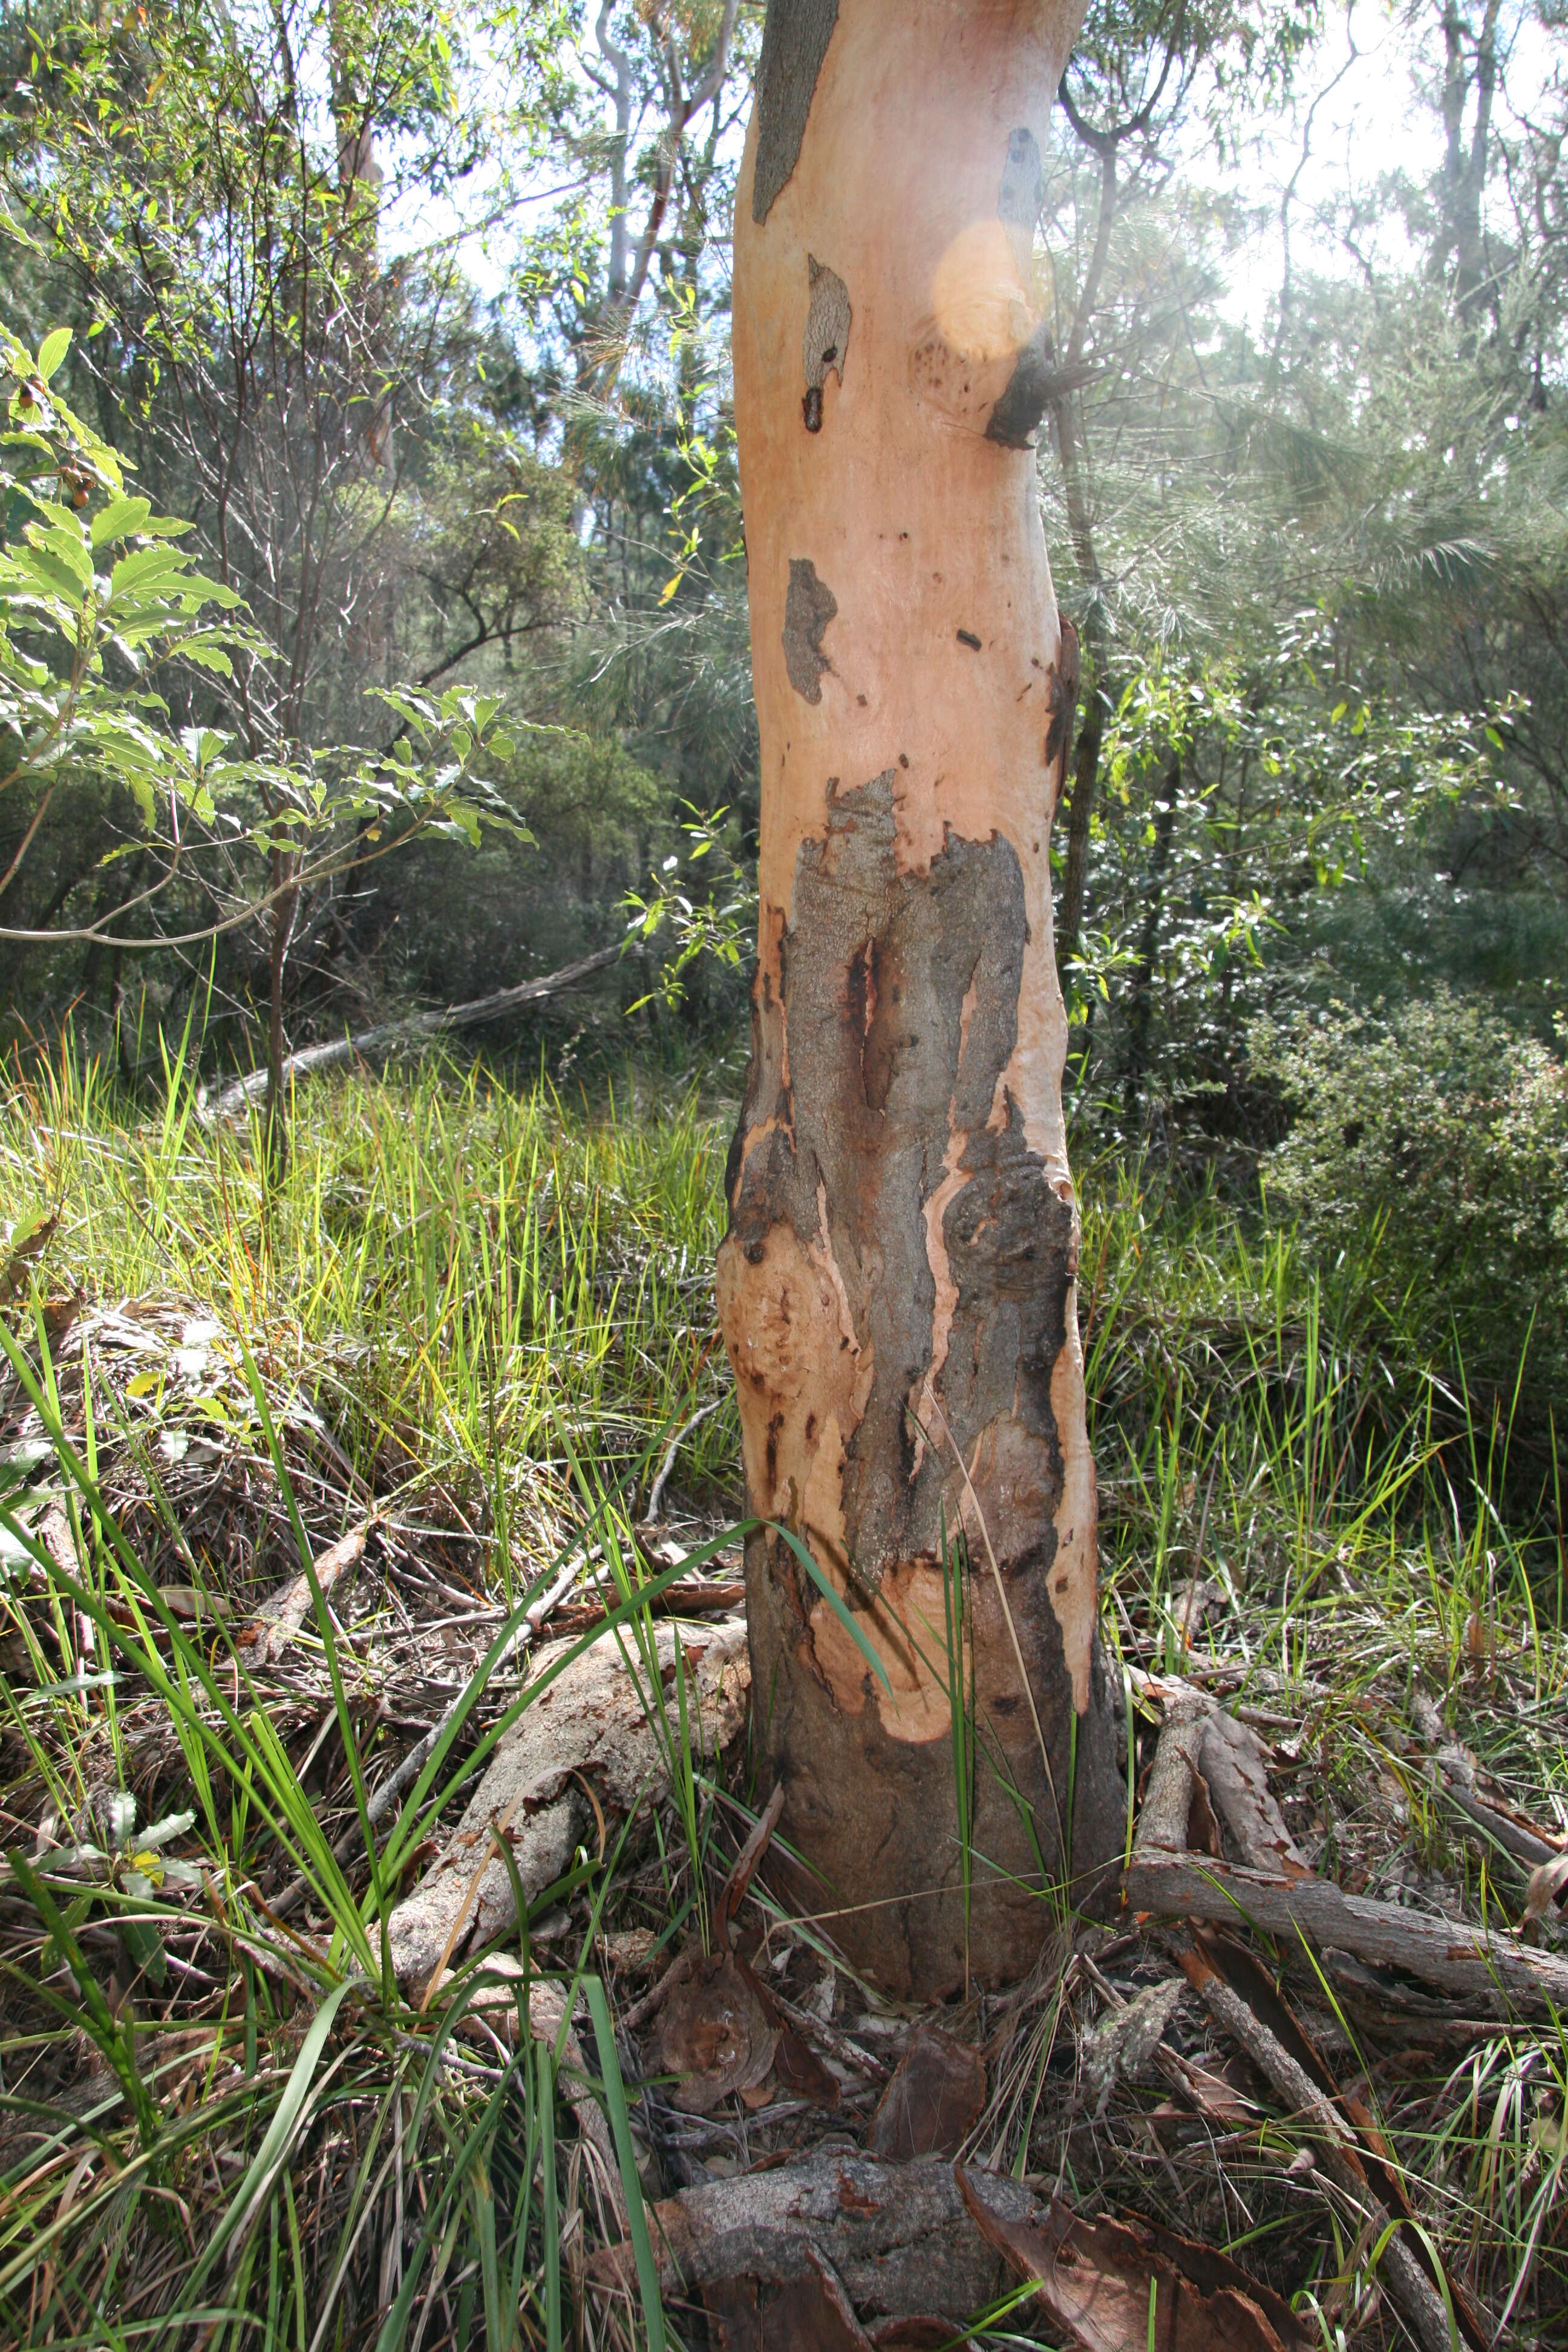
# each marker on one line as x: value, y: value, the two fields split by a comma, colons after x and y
x: 897, y: 1286
x: 795, y: 42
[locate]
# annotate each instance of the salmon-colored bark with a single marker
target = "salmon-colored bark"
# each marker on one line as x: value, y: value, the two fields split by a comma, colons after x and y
x: 897, y: 1287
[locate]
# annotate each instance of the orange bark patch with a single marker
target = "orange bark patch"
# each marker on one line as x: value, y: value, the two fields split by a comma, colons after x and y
x: 795, y: 1364
x: 907, y: 1627
x: 1072, y: 1578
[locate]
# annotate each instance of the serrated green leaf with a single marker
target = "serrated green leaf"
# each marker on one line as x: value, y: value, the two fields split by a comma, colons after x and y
x: 68, y: 548
x: 141, y: 567
x: 52, y: 352
x: 44, y: 572
x: 119, y: 520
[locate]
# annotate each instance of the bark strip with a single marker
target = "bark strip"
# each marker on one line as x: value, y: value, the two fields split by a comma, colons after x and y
x: 795, y: 42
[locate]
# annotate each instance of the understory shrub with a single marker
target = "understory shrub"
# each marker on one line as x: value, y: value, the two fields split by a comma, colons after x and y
x: 1432, y: 1141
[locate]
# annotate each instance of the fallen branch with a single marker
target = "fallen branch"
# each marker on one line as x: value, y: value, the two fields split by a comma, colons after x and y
x: 1360, y: 2172
x: 1451, y: 1954
x: 656, y: 1493
x: 283, y: 1612
x: 1452, y: 1773
x: 1178, y: 1873
x: 390, y: 1036
x: 695, y: 1598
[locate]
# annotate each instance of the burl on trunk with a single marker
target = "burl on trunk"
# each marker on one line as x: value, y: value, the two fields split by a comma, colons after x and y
x: 897, y: 1286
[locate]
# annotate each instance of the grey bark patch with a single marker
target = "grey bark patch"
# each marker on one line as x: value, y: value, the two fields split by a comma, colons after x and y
x: 794, y: 43
x: 826, y: 335
x: 883, y: 1070
x: 1029, y: 389
x: 1021, y: 194
x: 809, y: 606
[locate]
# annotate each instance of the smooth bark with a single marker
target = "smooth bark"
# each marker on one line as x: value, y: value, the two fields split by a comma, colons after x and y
x: 897, y: 1284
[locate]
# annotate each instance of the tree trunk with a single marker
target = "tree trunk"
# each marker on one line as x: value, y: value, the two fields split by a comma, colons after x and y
x: 1141, y: 1020
x: 275, y: 1122
x: 897, y: 1286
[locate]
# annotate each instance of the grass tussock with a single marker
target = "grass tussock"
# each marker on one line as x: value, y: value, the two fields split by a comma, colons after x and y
x: 466, y: 1327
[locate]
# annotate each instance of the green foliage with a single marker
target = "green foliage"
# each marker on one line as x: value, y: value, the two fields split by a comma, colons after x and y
x: 103, y: 618
x: 96, y: 605
x: 702, y: 901
x: 498, y: 1306
x: 1437, y: 1136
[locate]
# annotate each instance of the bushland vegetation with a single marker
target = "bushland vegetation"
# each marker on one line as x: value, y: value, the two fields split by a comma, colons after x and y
x: 372, y: 639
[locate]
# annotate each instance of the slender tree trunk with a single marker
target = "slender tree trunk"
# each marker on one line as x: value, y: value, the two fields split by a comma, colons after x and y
x: 1074, y: 457
x: 275, y: 1123
x: 1080, y: 806
x: 897, y: 1286
x: 1140, y: 1023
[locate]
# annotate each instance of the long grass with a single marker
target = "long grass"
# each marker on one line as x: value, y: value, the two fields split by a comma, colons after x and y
x: 462, y: 1276
x: 477, y: 1313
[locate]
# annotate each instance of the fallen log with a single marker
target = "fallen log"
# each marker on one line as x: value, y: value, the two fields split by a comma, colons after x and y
x: 390, y: 1037
x: 896, y: 2243
x: 898, y: 2236
x: 592, y: 1727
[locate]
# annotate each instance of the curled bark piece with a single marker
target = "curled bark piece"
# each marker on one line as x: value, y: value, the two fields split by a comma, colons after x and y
x: 1098, y: 2279
x: 713, y: 2033
x: 283, y: 1612
x: 746, y: 1862
x: 1206, y: 1755
x: 1236, y: 1768
x: 1124, y: 2041
x: 933, y: 2102
x: 812, y: 2314
x: 900, y: 2236
x: 593, y: 1719
x: 802, y: 2073
x: 1543, y: 1896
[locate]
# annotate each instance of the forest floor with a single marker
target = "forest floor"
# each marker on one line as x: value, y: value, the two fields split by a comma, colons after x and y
x: 331, y: 1515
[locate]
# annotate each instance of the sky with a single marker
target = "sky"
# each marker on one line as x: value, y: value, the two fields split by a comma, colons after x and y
x: 1357, y: 118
